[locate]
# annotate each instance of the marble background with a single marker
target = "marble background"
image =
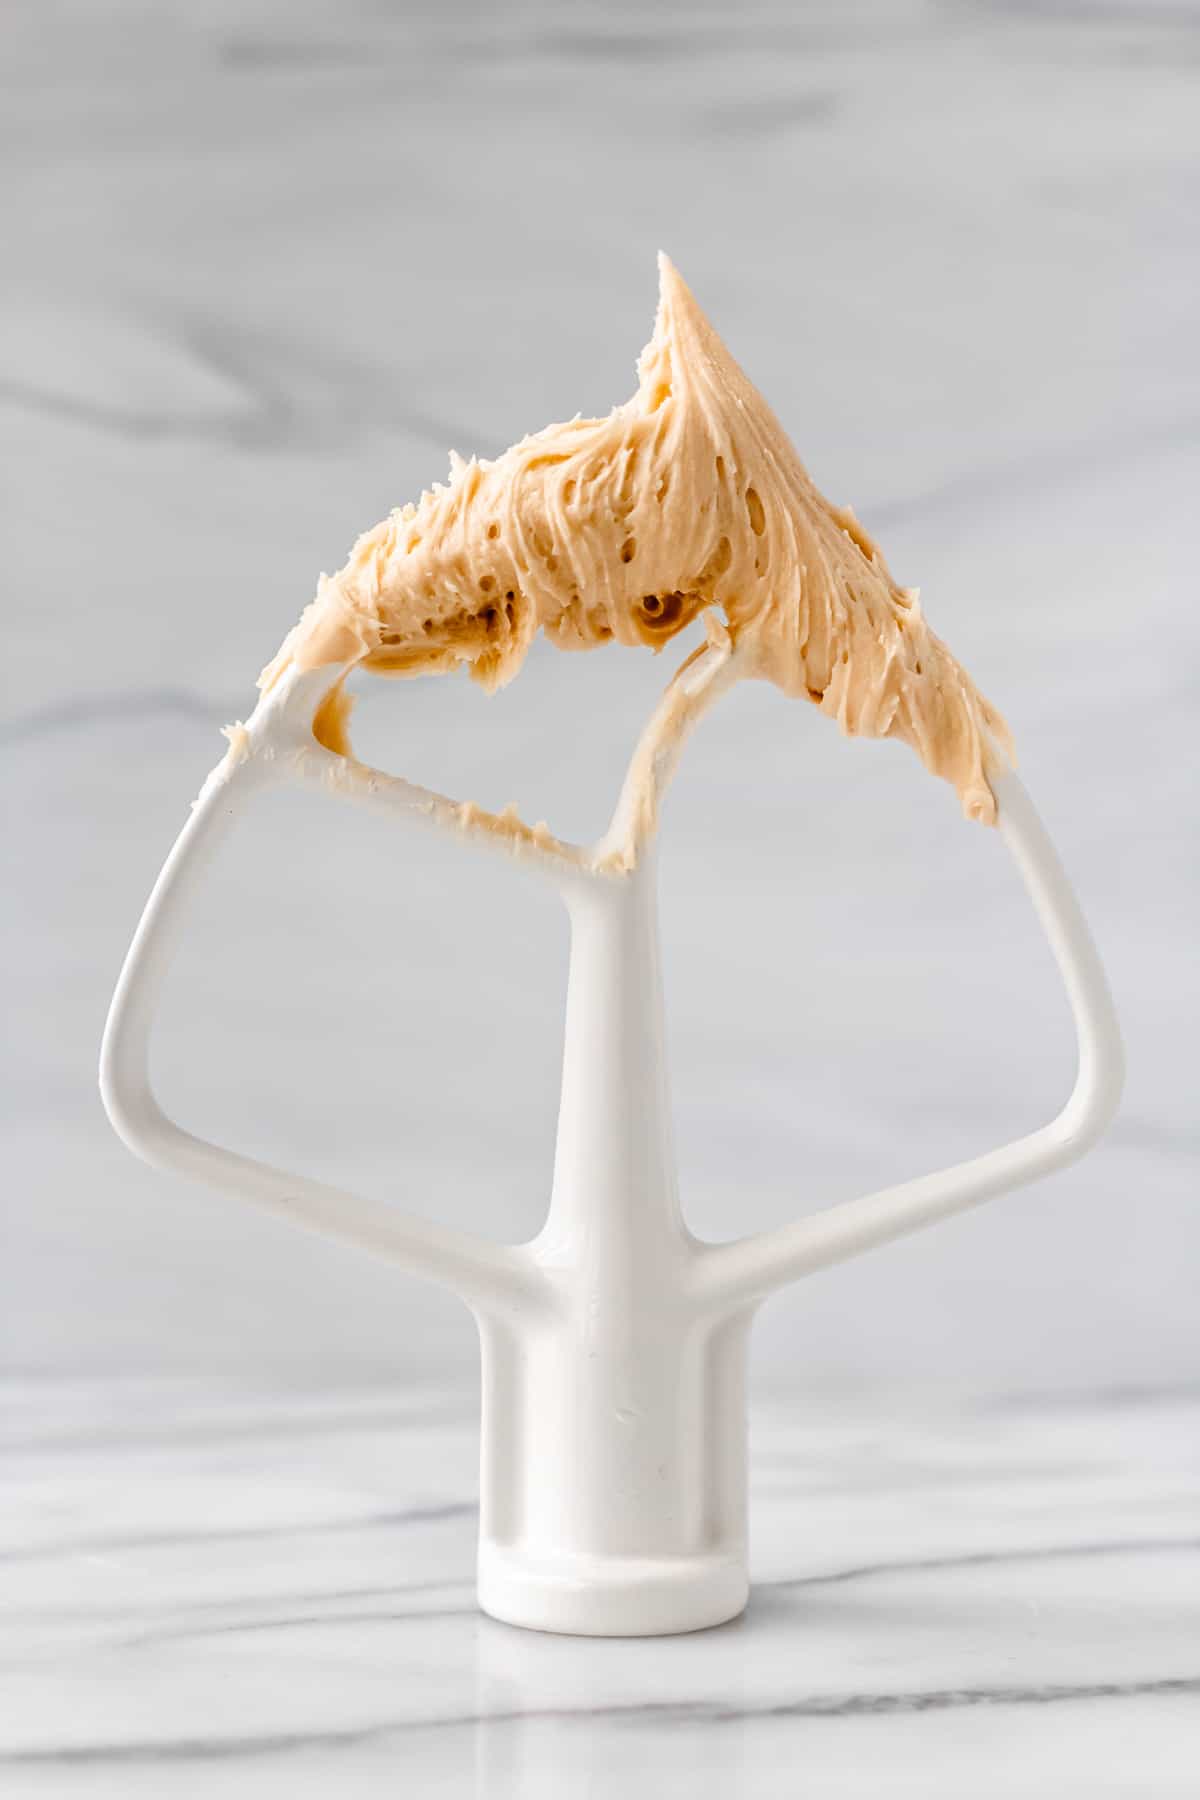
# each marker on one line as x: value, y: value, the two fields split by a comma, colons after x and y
x: 264, y: 264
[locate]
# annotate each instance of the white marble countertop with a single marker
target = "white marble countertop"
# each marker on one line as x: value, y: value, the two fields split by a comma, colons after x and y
x: 268, y: 261
x: 212, y: 1589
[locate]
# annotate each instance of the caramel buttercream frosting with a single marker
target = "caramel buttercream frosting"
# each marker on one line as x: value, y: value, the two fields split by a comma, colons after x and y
x: 688, y: 500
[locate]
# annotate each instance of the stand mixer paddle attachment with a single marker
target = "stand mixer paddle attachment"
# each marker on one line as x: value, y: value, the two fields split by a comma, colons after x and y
x: 613, y: 1468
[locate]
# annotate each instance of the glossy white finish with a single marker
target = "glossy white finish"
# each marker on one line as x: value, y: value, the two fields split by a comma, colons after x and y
x: 613, y: 1345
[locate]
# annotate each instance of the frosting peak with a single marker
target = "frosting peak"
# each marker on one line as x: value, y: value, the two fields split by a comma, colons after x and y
x: 687, y: 498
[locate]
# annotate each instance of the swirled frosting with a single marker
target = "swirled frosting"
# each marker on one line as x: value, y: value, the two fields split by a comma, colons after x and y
x: 687, y: 498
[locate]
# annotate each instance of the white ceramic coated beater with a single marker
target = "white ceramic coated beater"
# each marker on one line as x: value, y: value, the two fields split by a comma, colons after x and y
x: 613, y: 1469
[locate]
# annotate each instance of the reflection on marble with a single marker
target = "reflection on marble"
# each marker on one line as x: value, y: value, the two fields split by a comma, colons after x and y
x: 269, y: 1593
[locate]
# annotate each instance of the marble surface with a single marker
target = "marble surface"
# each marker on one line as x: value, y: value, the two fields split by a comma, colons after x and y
x: 212, y: 1588
x: 265, y: 263
x: 266, y: 260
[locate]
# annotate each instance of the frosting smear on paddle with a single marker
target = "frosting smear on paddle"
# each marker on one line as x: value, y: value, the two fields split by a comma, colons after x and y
x: 688, y: 501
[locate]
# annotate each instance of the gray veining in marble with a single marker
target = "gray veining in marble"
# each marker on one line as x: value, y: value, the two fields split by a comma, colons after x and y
x: 265, y: 263
x: 264, y: 1592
